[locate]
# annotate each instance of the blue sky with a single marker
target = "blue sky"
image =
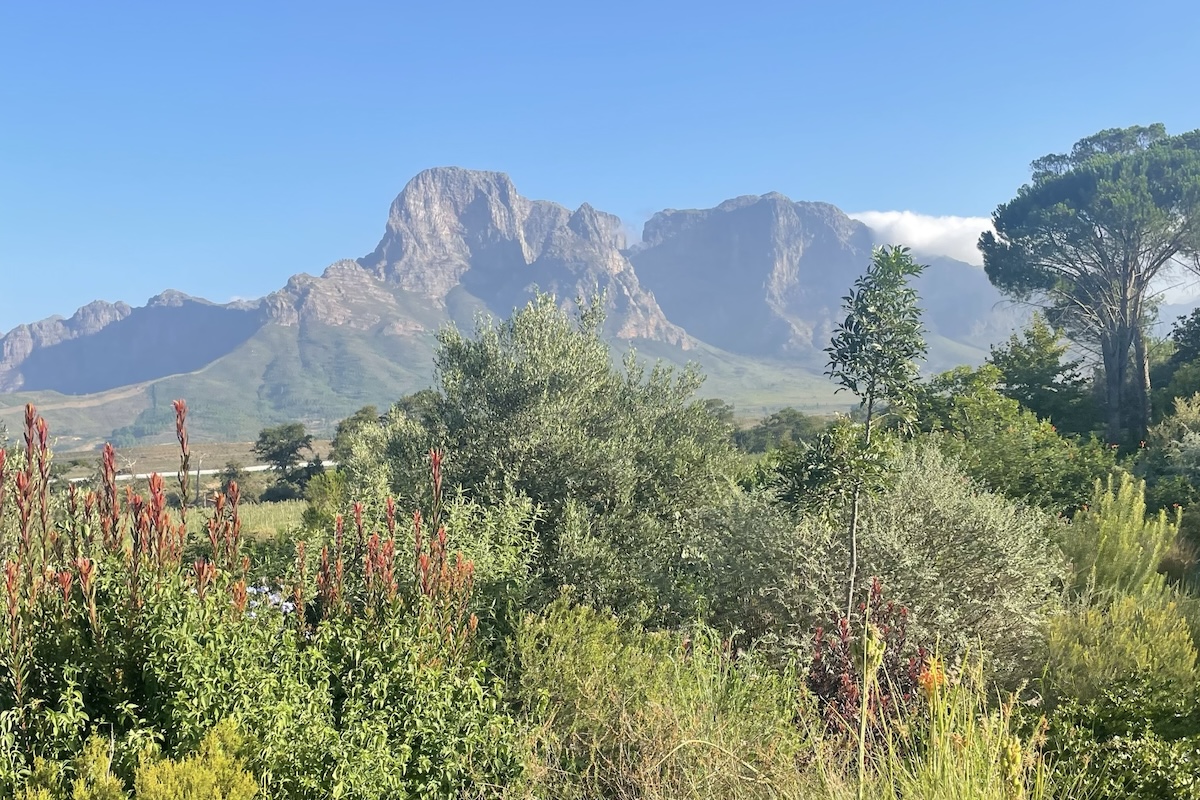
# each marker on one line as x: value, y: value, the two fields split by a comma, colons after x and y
x: 220, y: 147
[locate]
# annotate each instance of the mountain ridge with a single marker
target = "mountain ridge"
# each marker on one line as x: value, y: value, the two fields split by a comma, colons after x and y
x: 751, y: 286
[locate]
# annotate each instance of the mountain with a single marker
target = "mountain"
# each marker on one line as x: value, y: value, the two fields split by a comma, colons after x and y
x: 764, y: 276
x: 749, y: 290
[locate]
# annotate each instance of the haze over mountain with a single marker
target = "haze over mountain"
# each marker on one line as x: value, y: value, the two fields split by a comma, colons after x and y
x: 750, y: 289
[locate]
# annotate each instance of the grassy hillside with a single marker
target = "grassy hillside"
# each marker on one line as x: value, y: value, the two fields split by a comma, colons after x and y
x: 320, y: 374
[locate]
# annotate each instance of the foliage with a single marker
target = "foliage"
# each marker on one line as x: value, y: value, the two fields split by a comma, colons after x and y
x: 326, y: 495
x: 722, y: 411
x: 360, y: 674
x: 1138, y: 639
x: 1185, y: 334
x: 339, y: 448
x: 837, y: 676
x: 786, y: 427
x: 1147, y: 766
x: 234, y: 472
x: 282, y: 447
x: 824, y: 476
x: 968, y: 746
x: 1007, y: 448
x: 1088, y: 236
x: 875, y: 350
x: 973, y: 569
x: 1112, y: 545
x: 594, y: 601
x: 622, y: 713
x: 1033, y: 371
x: 874, y: 354
x: 533, y: 406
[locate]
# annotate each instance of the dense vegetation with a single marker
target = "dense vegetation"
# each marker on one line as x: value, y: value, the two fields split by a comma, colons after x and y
x: 553, y: 576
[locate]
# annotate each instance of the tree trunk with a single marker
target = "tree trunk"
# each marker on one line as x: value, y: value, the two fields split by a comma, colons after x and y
x: 1115, y: 359
x: 1141, y: 382
x: 855, y: 506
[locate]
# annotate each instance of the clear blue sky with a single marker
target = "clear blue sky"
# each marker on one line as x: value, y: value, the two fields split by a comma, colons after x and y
x: 219, y: 147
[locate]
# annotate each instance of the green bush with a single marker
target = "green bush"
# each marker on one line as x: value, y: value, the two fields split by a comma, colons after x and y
x: 1112, y: 545
x: 1115, y: 752
x: 975, y: 569
x: 215, y: 772
x: 535, y: 406
x: 786, y: 427
x: 1144, y: 638
x: 360, y: 676
x: 1006, y: 447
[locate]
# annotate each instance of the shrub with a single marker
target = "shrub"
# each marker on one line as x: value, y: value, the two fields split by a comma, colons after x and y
x: 973, y: 568
x: 965, y: 746
x: 534, y: 406
x: 1112, y: 545
x: 363, y: 678
x: 1112, y: 749
x: 837, y: 678
x: 216, y: 772
x: 1143, y: 639
x: 1006, y: 447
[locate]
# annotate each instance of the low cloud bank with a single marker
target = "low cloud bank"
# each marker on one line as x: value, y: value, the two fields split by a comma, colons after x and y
x: 955, y: 237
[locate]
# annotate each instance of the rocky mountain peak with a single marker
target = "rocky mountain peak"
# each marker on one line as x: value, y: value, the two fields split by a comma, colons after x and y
x: 452, y: 227
x: 172, y: 298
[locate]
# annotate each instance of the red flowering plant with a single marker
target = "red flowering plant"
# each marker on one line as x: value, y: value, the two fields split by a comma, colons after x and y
x: 118, y: 623
x: 842, y: 668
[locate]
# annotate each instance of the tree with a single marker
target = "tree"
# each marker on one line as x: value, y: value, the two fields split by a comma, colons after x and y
x: 339, y: 448
x: 1185, y: 333
x: 281, y: 447
x: 233, y: 472
x: 418, y: 404
x: 1034, y: 372
x: 534, y: 406
x: 1090, y: 234
x: 720, y: 409
x: 787, y: 426
x: 874, y: 354
x: 1005, y: 447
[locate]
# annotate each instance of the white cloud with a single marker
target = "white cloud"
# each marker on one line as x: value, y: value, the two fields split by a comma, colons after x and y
x: 956, y: 237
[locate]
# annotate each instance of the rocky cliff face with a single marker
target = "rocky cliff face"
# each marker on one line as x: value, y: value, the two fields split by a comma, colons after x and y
x: 454, y: 228
x: 758, y: 276
x: 104, y: 346
x: 763, y: 275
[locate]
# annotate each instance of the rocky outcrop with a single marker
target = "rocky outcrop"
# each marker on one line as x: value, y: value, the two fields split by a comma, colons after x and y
x: 105, y: 346
x: 757, y: 275
x: 454, y: 228
x: 345, y: 295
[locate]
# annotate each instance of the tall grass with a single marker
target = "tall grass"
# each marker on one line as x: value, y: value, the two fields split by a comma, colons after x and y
x: 617, y: 712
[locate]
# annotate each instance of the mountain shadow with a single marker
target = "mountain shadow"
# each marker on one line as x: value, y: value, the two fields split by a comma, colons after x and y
x: 167, y: 337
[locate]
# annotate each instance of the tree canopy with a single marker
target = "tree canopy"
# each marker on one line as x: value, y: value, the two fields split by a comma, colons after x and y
x: 1036, y: 372
x: 1087, y: 238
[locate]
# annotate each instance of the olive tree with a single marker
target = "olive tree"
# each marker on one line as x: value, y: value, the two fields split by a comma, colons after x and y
x: 535, y: 405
